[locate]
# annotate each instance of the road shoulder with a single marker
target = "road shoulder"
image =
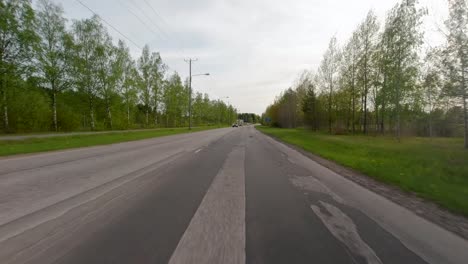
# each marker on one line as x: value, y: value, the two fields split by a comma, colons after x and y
x: 428, y: 210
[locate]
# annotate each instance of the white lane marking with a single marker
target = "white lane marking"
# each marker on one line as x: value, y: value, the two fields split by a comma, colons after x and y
x: 344, y: 229
x: 216, y: 233
x: 198, y: 150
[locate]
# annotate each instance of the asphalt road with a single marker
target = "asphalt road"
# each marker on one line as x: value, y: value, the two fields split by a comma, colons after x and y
x: 228, y: 195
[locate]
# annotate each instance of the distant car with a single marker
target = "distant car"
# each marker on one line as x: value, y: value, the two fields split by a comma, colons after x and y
x: 235, y: 125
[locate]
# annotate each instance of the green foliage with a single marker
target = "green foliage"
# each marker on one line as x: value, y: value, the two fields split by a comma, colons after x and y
x: 455, y: 57
x: 433, y: 168
x: 379, y: 83
x: 249, y: 118
x: 29, y: 108
x: 17, y: 45
x: 74, y: 79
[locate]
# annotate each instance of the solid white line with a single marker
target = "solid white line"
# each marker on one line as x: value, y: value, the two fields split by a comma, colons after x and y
x: 216, y: 233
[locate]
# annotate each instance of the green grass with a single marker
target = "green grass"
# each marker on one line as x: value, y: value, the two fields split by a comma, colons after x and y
x: 436, y: 168
x: 32, y: 145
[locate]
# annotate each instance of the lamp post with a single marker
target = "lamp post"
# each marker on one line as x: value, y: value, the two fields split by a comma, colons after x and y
x: 190, y: 92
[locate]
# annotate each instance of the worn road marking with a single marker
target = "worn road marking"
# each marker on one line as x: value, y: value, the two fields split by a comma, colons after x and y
x: 309, y: 183
x: 344, y: 229
x: 198, y: 150
x: 216, y: 233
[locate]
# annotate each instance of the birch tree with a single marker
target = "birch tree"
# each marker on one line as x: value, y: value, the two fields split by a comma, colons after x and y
x: 367, y: 35
x: 157, y: 71
x: 54, y: 49
x: 328, y: 72
x: 151, y: 71
x: 87, y: 35
x: 109, y: 73
x: 402, y: 39
x: 144, y: 84
x: 127, y: 84
x: 349, y: 67
x: 174, y: 98
x: 432, y: 84
x: 17, y: 45
x: 456, y: 56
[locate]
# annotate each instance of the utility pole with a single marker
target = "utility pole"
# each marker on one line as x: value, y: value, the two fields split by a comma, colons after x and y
x: 190, y: 91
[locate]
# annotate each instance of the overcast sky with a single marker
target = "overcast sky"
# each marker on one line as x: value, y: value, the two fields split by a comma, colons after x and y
x: 253, y: 49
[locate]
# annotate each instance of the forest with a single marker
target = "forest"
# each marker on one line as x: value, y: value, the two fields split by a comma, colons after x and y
x: 61, y: 76
x: 383, y: 80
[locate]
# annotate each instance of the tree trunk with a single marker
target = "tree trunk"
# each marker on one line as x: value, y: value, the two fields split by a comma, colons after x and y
x: 365, y: 93
x: 155, y: 112
x: 354, y: 111
x: 147, y: 116
x: 155, y: 117
x: 465, y: 113
x: 365, y: 114
x: 465, y: 118
x: 54, y: 109
x: 5, y: 105
x: 330, y: 110
x: 398, y: 98
x: 398, y: 124
x: 382, y: 118
x: 128, y: 114
x: 91, y: 114
x: 109, y: 114
x: 430, y: 123
x: 5, y: 116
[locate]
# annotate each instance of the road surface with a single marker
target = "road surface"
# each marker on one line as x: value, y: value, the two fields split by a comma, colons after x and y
x: 229, y: 195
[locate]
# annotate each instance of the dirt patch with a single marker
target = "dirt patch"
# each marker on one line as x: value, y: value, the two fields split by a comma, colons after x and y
x: 455, y: 223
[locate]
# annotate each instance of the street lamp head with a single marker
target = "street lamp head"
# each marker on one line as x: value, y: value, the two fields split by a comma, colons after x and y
x: 207, y: 74
x: 202, y: 74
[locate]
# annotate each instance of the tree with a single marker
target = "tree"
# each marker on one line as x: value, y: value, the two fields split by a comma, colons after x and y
x: 158, y: 68
x: 54, y: 49
x: 174, y: 97
x: 127, y: 83
x: 367, y: 33
x: 151, y: 71
x: 432, y: 83
x: 401, y: 40
x: 88, y: 40
x: 109, y: 73
x: 349, y: 66
x: 144, y: 65
x: 309, y: 107
x: 456, y: 56
x: 17, y: 44
x: 328, y: 71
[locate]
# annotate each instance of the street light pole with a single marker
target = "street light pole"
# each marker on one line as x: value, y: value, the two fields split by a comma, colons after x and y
x: 190, y: 89
x: 190, y: 95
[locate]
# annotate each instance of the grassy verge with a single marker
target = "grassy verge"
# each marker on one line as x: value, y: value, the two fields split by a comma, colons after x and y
x: 436, y: 168
x: 32, y: 145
